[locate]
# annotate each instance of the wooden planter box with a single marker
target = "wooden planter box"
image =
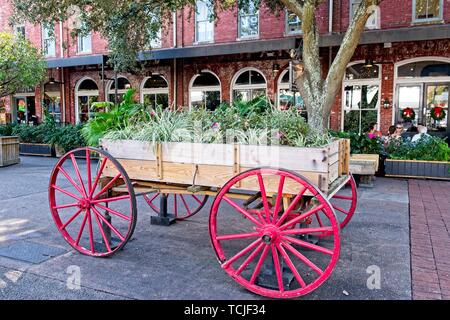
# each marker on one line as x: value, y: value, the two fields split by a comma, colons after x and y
x: 36, y: 149
x: 212, y: 165
x: 418, y: 169
x: 9, y: 151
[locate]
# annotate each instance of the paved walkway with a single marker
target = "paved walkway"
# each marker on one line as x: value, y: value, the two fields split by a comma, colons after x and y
x: 430, y: 239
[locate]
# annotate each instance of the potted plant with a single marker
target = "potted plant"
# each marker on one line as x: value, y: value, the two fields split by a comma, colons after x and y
x: 9, y: 146
x: 67, y: 138
x: 34, y: 140
x: 428, y: 158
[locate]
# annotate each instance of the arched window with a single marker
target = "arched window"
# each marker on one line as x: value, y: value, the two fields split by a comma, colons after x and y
x: 423, y: 85
x: 204, y: 91
x: 123, y: 86
x: 248, y: 84
x: 361, y: 97
x: 155, y: 91
x: 86, y: 93
x: 52, y: 100
x: 286, y: 97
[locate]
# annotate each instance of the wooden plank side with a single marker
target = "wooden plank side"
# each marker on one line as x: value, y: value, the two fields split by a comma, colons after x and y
x: 207, y: 175
x: 130, y: 149
x: 296, y: 159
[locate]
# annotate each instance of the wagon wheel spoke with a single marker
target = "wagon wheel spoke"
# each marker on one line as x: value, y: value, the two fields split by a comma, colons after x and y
x: 175, y: 206
x: 80, y: 233
x: 278, y: 199
x: 65, y: 206
x: 291, y: 206
x: 291, y: 266
x: 308, y: 230
x: 241, y: 253
x: 91, y: 233
x: 105, y: 239
x: 114, y: 212
x: 340, y: 209
x: 88, y: 169
x: 185, y: 204
x: 337, y: 196
x: 197, y: 199
x: 249, y: 259
x: 99, y: 174
x: 113, y: 229
x: 302, y: 258
x: 77, y: 172
x: 106, y: 200
x: 69, y: 178
x: 67, y: 193
x: 259, y: 264
x: 277, y: 266
x: 107, y: 186
x: 262, y: 189
x: 238, y: 236
x: 301, y: 217
x: 150, y: 201
x: 71, y: 219
x: 242, y: 211
x: 308, y: 245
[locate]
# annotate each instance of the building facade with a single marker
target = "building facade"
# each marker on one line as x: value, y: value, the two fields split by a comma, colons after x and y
x: 403, y: 61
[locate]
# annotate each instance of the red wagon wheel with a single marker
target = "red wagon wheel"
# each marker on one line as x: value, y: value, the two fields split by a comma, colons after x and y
x: 262, y: 246
x: 344, y: 202
x: 79, y: 202
x: 182, y: 206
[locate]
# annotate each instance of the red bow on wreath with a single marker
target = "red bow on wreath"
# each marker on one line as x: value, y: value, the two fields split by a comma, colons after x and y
x: 438, y: 113
x: 408, y: 114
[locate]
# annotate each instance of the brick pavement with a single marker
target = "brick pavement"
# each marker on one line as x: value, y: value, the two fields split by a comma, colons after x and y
x: 430, y: 239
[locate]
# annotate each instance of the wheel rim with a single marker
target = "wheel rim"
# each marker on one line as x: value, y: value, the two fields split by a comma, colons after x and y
x: 265, y: 247
x: 90, y: 218
x: 182, y: 206
x: 344, y: 202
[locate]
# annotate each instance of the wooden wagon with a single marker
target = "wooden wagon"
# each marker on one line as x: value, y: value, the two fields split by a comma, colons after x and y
x: 274, y: 222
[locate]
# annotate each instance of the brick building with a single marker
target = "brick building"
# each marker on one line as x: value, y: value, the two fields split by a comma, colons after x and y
x: 245, y: 54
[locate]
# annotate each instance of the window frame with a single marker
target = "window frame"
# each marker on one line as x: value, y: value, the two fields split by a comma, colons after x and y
x: 362, y: 82
x: 437, y: 19
x: 84, y: 93
x: 204, y: 88
x: 45, y: 38
x: 286, y: 20
x: 80, y: 46
x: 247, y: 86
x: 203, y: 21
x: 240, y: 15
x: 154, y: 91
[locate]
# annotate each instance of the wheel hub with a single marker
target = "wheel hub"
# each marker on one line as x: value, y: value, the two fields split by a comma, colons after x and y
x: 84, y: 204
x: 270, y: 234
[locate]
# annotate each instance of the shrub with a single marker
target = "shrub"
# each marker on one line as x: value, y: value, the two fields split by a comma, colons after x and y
x: 360, y: 143
x: 68, y: 138
x: 428, y: 148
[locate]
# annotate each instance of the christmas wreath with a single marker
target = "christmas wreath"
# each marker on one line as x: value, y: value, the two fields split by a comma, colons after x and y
x: 438, y: 113
x: 408, y: 114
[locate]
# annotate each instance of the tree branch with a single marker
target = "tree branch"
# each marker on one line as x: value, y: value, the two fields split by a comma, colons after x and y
x: 346, y: 51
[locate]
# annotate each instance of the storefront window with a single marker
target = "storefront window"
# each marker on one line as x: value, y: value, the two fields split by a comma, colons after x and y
x: 248, y: 85
x: 155, y: 92
x: 205, y: 91
x: 427, y: 10
x: 123, y: 86
x: 86, y: 95
x: 249, y: 20
x: 424, y: 86
x: 361, y: 97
